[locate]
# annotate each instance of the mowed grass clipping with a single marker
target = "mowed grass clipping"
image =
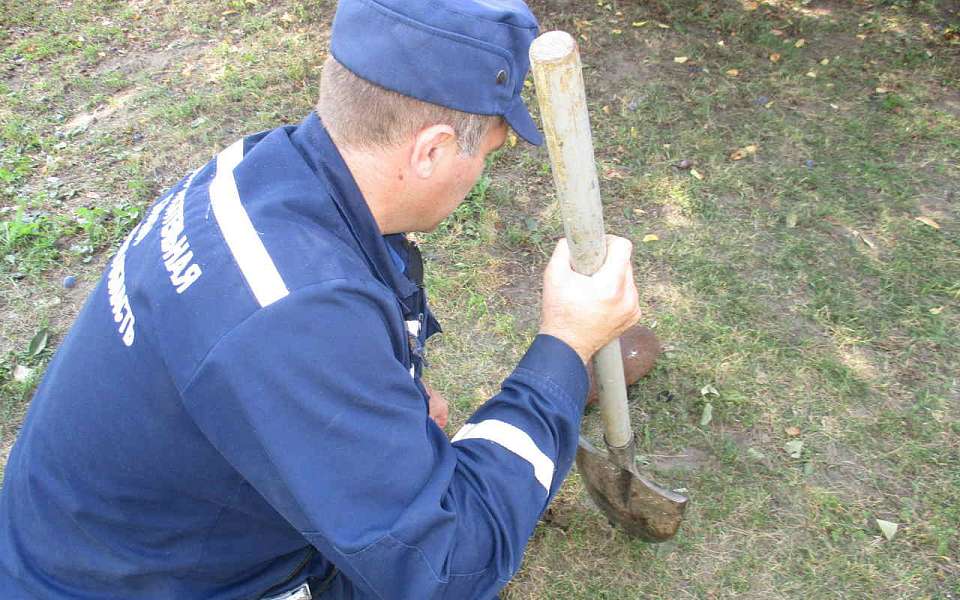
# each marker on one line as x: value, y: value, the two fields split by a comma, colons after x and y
x: 793, y: 165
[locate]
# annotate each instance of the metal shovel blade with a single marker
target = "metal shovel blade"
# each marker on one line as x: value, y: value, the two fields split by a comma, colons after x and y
x: 642, y: 508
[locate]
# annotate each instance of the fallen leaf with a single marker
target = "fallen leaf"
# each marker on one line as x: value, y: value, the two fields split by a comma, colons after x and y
x: 287, y: 18
x: 812, y: 74
x: 800, y: 43
x: 512, y: 139
x: 616, y: 31
x: 707, y: 415
x: 22, y: 373
x: 792, y: 431
x: 936, y: 311
x: 680, y: 59
x: 612, y: 174
x: 888, y: 528
x: 750, y: 5
x: 650, y: 237
x: 696, y: 174
x: 733, y: 72
x: 860, y: 36
x: 882, y: 90
x: 742, y: 153
x: 825, y: 61
x: 663, y: 26
x: 777, y: 32
x: 639, y: 23
x: 606, y: 109
x: 928, y: 221
x: 709, y: 390
x: 39, y: 342
x: 775, y: 57
x: 792, y: 219
x: 794, y: 448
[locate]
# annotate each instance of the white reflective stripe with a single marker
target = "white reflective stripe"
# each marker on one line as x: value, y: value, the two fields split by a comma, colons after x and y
x: 513, y: 439
x: 242, y: 239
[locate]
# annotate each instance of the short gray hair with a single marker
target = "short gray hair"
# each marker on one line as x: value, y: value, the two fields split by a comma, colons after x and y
x: 363, y: 115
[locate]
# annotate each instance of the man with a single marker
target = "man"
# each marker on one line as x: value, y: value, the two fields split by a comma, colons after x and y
x: 238, y: 411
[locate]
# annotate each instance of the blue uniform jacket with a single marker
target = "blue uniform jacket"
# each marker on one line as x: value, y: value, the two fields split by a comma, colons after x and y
x: 237, y: 408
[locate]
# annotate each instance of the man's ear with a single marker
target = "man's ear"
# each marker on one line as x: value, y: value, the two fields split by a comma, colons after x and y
x: 432, y: 146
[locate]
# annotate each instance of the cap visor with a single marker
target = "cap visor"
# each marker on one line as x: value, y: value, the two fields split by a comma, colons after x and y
x: 520, y: 121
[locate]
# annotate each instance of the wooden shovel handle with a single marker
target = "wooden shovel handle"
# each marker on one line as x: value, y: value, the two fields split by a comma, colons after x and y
x: 555, y: 61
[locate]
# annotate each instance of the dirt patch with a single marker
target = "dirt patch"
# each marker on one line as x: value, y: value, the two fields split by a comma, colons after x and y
x: 690, y: 459
x: 82, y: 121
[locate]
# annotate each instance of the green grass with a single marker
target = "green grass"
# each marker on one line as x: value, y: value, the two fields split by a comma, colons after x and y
x: 797, y: 281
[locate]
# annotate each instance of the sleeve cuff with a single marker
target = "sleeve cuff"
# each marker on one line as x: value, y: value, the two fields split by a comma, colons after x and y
x: 553, y: 359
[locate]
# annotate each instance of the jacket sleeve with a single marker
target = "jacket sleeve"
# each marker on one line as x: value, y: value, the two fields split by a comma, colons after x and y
x: 309, y: 402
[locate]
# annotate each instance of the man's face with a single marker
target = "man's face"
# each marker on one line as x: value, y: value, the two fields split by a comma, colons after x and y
x: 456, y: 177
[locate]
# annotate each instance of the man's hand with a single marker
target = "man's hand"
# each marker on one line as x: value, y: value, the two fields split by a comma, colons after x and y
x: 439, y: 409
x: 589, y: 312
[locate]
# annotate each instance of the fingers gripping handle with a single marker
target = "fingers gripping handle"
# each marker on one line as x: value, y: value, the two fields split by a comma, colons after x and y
x: 555, y: 61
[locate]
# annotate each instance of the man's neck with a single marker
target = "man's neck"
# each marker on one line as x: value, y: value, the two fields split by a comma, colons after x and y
x: 380, y: 182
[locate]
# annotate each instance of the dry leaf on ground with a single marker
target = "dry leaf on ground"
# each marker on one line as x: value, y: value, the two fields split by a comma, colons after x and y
x: 742, y: 153
x: 928, y: 221
x: 888, y: 528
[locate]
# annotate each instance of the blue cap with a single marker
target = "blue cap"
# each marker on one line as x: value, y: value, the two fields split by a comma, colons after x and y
x: 470, y: 55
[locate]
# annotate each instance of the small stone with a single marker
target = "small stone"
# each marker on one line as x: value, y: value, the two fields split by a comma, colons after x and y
x: 809, y: 163
x: 69, y: 282
x: 684, y: 164
x: 761, y: 101
x: 632, y: 106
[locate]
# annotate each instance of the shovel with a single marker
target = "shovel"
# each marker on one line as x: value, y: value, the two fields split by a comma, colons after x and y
x: 642, y: 508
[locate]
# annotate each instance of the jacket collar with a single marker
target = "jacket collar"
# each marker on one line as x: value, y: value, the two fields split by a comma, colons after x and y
x: 312, y: 139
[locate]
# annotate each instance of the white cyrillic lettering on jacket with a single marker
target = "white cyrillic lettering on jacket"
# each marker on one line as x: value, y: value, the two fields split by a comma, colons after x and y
x: 117, y: 290
x: 513, y: 439
x: 174, y: 247
x: 244, y: 242
x: 150, y: 221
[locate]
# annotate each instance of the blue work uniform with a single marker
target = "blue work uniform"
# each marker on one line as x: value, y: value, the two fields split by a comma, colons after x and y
x: 237, y: 410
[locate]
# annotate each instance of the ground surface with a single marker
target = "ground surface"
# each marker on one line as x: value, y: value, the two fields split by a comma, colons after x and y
x: 805, y: 276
